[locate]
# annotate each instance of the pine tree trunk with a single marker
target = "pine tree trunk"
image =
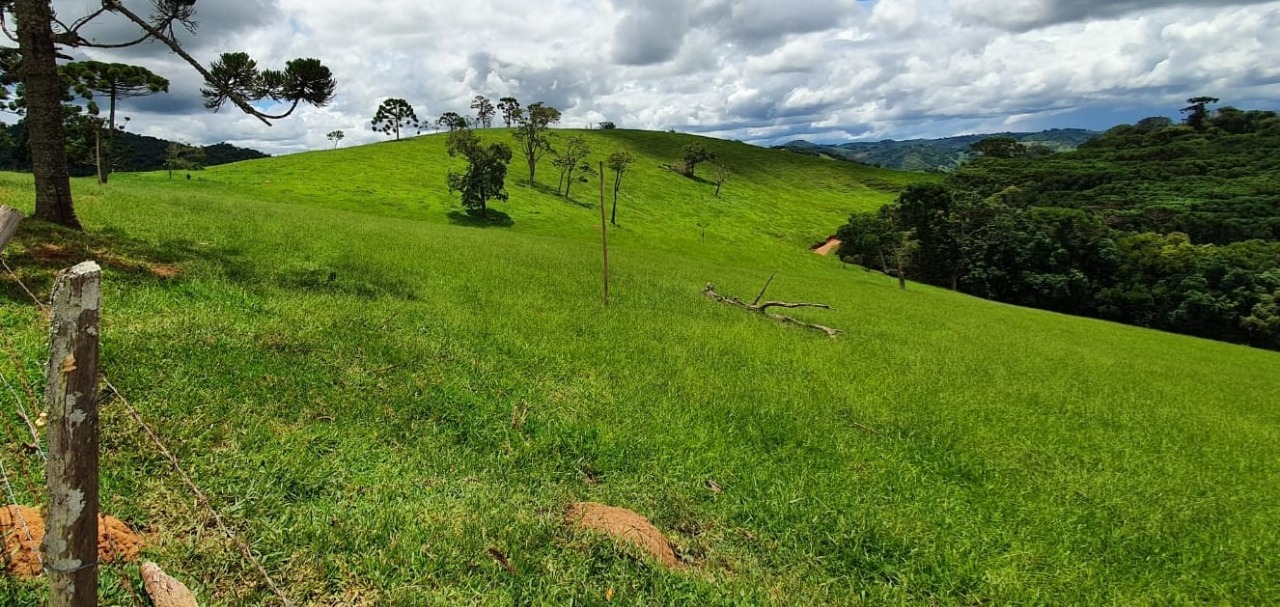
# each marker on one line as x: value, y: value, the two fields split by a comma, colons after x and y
x: 105, y: 174
x: 44, y: 113
x: 97, y: 155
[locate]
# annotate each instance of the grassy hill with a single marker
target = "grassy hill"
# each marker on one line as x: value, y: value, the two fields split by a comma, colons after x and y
x: 378, y: 392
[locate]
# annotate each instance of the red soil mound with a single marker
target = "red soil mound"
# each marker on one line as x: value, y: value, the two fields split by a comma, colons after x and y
x: 22, y: 541
x: 625, y: 525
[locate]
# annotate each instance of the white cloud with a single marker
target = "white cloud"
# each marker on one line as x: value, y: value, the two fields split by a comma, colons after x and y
x: 758, y: 70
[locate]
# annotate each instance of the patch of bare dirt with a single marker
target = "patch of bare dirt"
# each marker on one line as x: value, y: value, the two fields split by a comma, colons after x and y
x: 166, y: 271
x: 53, y: 254
x: 22, y: 529
x: 116, y: 542
x: 828, y: 247
x: 624, y: 525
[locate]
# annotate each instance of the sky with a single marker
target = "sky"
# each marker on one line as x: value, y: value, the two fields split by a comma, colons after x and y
x: 760, y: 71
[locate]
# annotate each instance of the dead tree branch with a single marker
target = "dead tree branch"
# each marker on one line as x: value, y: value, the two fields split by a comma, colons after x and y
x: 763, y: 309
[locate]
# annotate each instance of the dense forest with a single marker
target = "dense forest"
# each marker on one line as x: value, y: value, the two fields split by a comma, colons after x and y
x: 937, y: 155
x: 133, y: 153
x: 1174, y: 226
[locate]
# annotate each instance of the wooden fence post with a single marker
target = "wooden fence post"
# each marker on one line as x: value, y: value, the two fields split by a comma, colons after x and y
x: 71, y: 528
x: 9, y: 220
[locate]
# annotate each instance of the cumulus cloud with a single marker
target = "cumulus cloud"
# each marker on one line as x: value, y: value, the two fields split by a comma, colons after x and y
x: 756, y: 70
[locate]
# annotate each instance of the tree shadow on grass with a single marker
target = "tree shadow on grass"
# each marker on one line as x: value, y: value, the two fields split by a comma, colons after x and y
x: 40, y: 250
x: 550, y: 191
x: 495, y: 219
x: 696, y: 178
x: 542, y: 188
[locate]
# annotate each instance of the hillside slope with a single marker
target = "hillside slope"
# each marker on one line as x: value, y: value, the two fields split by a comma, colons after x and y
x: 381, y: 399
x: 770, y: 197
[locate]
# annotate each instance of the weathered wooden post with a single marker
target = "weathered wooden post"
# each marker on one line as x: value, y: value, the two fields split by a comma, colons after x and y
x: 70, y: 544
x: 604, y: 237
x: 9, y: 220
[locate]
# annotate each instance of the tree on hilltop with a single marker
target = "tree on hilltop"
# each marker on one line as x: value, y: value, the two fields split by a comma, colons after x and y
x: 395, y: 115
x: 531, y: 132
x: 484, y: 111
x: 510, y: 109
x: 453, y: 121
x: 335, y: 137
x: 40, y: 35
x: 485, y: 176
x: 1198, y: 112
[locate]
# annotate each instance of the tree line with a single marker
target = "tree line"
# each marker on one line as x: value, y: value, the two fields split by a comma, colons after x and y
x: 1173, y: 226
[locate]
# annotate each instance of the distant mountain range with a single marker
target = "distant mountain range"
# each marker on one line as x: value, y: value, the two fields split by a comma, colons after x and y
x: 141, y: 153
x: 936, y: 155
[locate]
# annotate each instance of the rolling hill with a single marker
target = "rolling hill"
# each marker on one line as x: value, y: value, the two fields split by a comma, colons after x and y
x: 383, y: 394
x: 938, y: 155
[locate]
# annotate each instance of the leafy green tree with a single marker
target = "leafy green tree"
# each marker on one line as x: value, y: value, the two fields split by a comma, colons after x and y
x: 41, y: 35
x: 453, y: 121
x: 335, y: 137
x: 485, y: 111
x: 695, y: 154
x: 183, y: 157
x: 867, y: 239
x: 608, y: 125
x: 572, y: 157
x: 999, y: 147
x: 903, y: 252
x: 620, y: 163
x: 721, y: 175
x: 113, y: 80
x: 926, y: 210
x: 485, y: 176
x: 533, y: 134
x: 1154, y: 123
x: 1264, y: 320
x: 510, y: 109
x: 394, y: 116
x: 1198, y: 112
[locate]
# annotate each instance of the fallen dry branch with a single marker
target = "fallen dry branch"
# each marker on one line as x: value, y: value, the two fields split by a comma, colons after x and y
x: 763, y: 308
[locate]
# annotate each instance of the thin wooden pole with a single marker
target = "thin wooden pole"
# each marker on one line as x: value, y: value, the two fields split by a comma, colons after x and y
x: 766, y: 288
x: 9, y: 220
x: 604, y: 237
x: 71, y: 540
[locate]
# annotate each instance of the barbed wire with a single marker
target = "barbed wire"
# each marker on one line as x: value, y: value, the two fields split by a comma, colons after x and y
x: 22, y: 462
x: 203, y: 499
x: 26, y: 418
x: 40, y: 304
